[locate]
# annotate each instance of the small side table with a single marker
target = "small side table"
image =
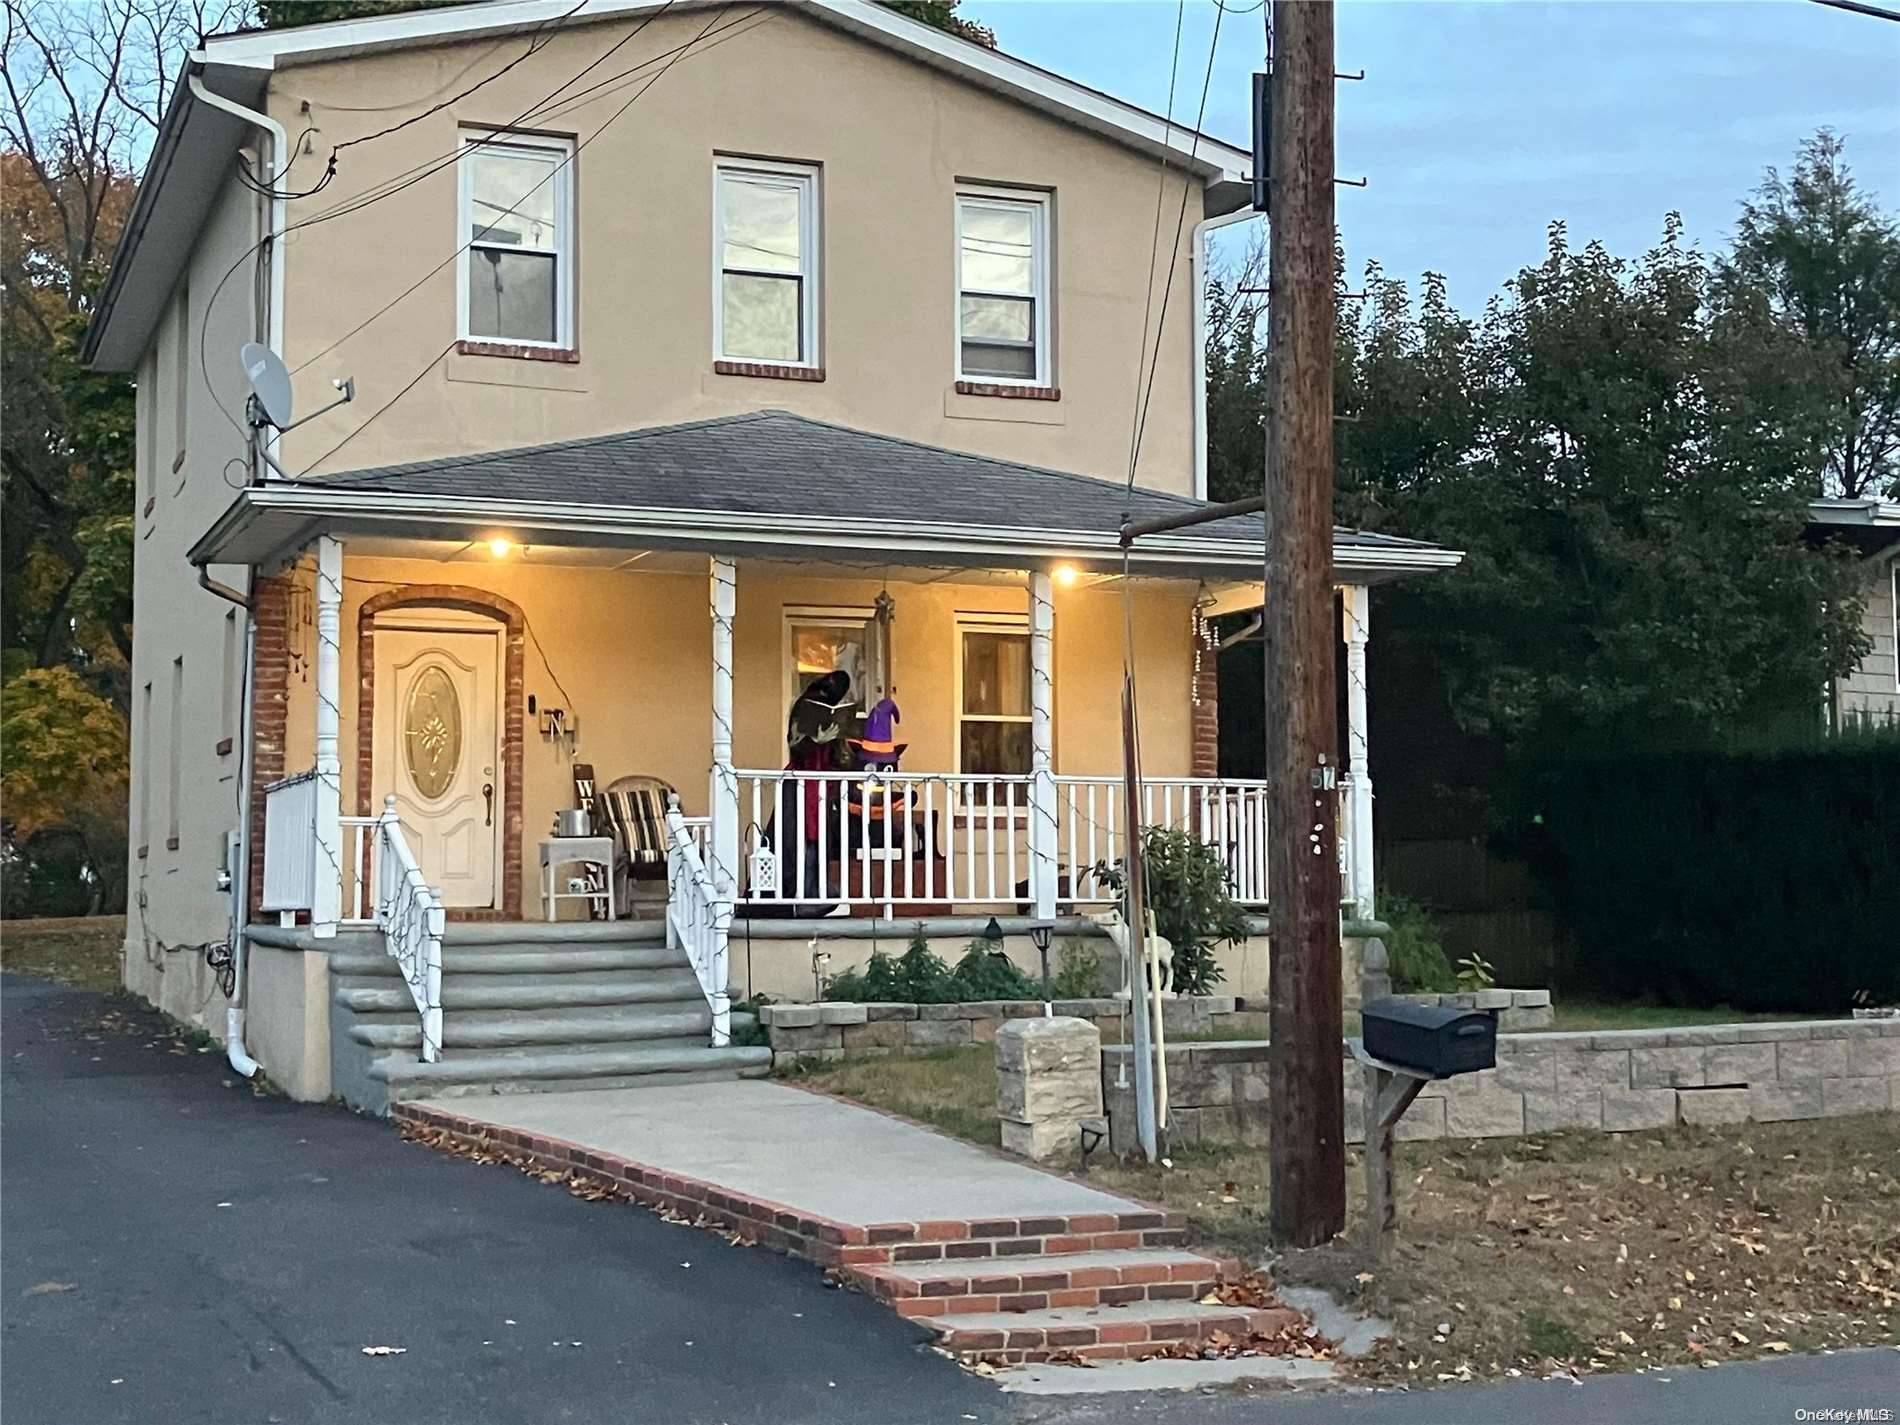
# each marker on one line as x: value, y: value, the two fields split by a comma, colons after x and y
x: 559, y: 851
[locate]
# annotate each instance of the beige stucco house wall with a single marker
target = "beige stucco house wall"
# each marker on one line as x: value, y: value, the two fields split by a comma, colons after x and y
x: 894, y: 142
x: 371, y: 294
x: 1870, y: 692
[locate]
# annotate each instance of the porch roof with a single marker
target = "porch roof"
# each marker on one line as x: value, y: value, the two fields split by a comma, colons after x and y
x: 771, y: 481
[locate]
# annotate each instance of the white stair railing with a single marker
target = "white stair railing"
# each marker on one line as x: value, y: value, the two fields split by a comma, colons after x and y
x: 411, y: 917
x: 697, y: 920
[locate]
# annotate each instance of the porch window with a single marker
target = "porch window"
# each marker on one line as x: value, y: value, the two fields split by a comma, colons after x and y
x: 765, y: 219
x: 517, y: 230
x: 993, y: 714
x: 1003, y: 289
x: 821, y: 640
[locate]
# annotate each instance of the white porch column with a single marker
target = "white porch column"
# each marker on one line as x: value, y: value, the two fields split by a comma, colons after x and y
x: 723, y: 806
x: 1357, y: 630
x: 327, y: 898
x: 1042, y: 786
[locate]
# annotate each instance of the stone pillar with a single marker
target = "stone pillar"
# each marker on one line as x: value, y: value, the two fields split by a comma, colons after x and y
x: 1048, y: 1085
x: 1042, y: 786
x: 327, y: 897
x: 1357, y: 632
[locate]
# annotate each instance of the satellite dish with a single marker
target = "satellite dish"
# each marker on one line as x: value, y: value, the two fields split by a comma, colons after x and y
x: 269, y: 380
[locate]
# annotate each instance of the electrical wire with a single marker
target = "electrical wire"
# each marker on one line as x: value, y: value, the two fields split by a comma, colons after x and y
x: 1174, y: 255
x: 1154, y: 246
x: 388, y: 188
x: 569, y: 159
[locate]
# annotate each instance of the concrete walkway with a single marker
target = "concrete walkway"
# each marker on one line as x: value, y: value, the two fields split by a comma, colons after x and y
x: 820, y: 1156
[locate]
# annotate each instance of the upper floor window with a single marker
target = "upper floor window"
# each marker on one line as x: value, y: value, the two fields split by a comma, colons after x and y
x: 1003, y: 289
x: 765, y: 228
x: 517, y: 226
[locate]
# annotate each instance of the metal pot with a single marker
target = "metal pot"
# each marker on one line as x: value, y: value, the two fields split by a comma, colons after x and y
x: 573, y: 823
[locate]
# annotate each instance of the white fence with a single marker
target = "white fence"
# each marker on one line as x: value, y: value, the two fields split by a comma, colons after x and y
x: 937, y: 840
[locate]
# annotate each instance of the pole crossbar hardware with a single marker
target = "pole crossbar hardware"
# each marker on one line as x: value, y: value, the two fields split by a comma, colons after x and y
x: 1133, y: 530
x: 1390, y: 1089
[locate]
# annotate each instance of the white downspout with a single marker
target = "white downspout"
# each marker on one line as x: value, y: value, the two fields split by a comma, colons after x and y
x: 273, y: 171
x: 1199, y: 270
x: 234, y: 1049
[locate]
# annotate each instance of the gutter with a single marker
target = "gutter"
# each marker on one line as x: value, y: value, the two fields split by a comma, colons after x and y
x: 271, y: 252
x: 455, y: 514
x: 1199, y: 278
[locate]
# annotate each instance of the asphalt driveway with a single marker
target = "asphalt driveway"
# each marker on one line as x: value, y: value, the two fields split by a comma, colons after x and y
x: 178, y: 1249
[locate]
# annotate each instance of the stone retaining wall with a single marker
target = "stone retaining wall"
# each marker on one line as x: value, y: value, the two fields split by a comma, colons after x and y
x: 831, y: 1030
x: 1612, y: 1081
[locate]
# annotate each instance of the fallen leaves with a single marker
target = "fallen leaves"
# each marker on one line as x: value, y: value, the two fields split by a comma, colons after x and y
x: 50, y: 1288
x: 385, y: 1350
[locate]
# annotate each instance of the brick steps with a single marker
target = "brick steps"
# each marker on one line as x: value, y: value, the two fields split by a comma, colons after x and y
x: 1142, y: 1328
x: 1071, y: 1279
x: 1094, y: 1286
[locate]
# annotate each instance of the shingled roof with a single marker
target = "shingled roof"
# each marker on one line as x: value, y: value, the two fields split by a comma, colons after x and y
x: 775, y: 463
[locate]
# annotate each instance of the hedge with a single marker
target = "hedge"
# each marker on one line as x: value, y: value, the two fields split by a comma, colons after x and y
x: 1763, y: 880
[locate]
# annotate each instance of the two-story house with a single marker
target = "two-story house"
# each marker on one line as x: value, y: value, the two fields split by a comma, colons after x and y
x: 699, y: 352
x: 1868, y: 695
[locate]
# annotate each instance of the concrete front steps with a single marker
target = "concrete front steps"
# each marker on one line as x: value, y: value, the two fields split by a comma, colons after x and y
x: 528, y: 1007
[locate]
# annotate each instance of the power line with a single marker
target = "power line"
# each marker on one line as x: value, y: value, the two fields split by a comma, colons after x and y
x: 1858, y: 7
x: 389, y: 188
x: 433, y: 361
x: 1174, y: 256
x: 1154, y: 245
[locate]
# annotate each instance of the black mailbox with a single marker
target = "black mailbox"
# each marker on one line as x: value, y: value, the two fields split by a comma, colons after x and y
x: 1435, y: 1041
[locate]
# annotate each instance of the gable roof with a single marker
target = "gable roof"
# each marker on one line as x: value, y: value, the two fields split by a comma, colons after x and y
x: 196, y: 141
x: 772, y: 477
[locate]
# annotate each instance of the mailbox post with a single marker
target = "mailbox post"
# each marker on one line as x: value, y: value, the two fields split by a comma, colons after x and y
x: 1405, y: 1047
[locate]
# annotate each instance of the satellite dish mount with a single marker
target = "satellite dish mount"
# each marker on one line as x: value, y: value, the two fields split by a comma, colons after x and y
x: 269, y: 403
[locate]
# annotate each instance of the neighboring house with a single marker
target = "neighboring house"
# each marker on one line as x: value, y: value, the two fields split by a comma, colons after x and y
x: 1869, y: 695
x: 698, y: 352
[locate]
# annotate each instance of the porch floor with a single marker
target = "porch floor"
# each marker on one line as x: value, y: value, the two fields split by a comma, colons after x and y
x: 821, y: 1157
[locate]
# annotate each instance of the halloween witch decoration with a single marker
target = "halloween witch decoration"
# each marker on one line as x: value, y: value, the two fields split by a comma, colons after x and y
x: 814, y: 734
x: 877, y: 812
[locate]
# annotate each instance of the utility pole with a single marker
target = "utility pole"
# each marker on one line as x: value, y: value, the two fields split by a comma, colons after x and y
x: 1306, y: 1079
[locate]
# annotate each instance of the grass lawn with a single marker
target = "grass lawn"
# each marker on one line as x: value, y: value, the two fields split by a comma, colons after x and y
x: 82, y: 950
x: 1591, y: 1014
x: 1595, y: 1251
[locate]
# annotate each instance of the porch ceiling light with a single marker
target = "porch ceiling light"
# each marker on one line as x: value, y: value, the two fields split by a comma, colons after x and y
x: 1065, y: 574
x: 500, y: 546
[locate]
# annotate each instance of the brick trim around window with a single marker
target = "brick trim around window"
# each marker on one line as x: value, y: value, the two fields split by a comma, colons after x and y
x: 769, y: 371
x: 567, y: 355
x: 1013, y: 393
x: 514, y: 676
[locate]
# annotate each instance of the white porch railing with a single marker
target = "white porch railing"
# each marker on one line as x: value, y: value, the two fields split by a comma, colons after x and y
x: 696, y: 919
x: 411, y: 917
x: 936, y: 840
x: 380, y: 882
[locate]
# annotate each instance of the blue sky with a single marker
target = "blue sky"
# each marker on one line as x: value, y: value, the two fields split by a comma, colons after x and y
x: 1478, y: 123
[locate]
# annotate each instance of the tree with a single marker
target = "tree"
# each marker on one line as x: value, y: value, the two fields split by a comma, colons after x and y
x: 1813, y: 288
x: 65, y: 777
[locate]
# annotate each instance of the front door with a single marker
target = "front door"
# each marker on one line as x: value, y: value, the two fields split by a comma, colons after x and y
x: 438, y: 748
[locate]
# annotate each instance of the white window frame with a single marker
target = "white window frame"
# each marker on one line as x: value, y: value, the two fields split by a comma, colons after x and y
x: 562, y: 249
x: 799, y: 616
x: 1038, y: 206
x: 967, y: 623
x: 802, y: 177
